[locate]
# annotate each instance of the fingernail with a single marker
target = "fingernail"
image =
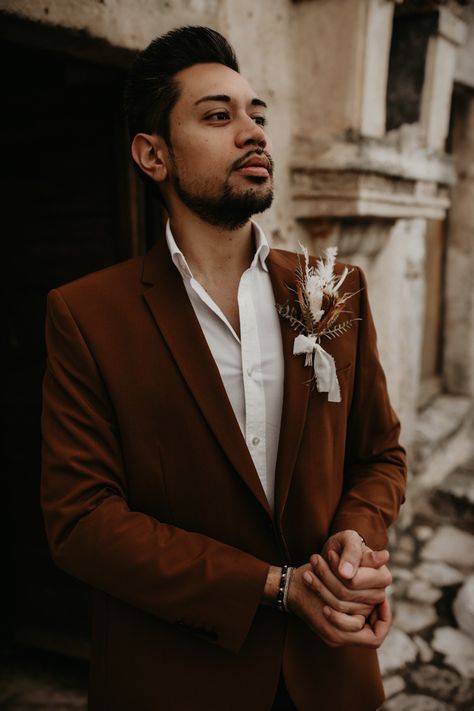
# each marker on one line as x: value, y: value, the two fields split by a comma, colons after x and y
x: 327, y: 611
x: 315, y: 561
x: 347, y: 568
x: 308, y: 578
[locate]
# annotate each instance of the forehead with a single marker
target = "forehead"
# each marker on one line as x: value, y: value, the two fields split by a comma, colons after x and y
x: 211, y: 79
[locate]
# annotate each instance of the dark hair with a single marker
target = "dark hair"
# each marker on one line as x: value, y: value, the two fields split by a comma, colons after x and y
x: 151, y: 91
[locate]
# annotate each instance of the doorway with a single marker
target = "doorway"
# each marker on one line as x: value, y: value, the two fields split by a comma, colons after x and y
x: 70, y: 204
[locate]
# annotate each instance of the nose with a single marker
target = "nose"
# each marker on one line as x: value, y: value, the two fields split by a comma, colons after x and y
x: 250, y: 133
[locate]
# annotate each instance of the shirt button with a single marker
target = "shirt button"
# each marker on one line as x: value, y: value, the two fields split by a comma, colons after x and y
x: 256, y: 441
x: 249, y: 372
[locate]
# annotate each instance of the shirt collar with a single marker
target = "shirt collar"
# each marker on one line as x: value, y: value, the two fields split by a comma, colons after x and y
x: 263, y: 248
x: 179, y: 260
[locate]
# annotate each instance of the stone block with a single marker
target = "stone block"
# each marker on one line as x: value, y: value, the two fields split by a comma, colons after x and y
x: 458, y: 649
x: 463, y: 607
x: 396, y: 652
x: 423, y: 533
x: 434, y: 681
x: 422, y: 591
x: 451, y: 545
x: 415, y: 702
x: 413, y: 616
x: 455, y: 496
x: 438, y: 573
x: 424, y: 649
x: 393, y: 685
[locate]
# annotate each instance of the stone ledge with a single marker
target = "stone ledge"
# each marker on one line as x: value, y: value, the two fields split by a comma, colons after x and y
x: 392, y: 177
x: 399, y: 154
x: 325, y: 193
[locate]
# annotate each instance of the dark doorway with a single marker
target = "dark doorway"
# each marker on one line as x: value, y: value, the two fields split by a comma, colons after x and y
x: 69, y: 206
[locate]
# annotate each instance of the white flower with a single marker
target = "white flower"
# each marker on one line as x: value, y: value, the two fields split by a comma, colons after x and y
x: 325, y: 268
x: 329, y: 283
x: 315, y: 296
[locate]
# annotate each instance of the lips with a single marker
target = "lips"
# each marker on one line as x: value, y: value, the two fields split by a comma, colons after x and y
x: 255, y: 165
x: 258, y: 161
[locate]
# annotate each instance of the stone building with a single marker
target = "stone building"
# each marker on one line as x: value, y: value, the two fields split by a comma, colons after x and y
x: 372, y: 121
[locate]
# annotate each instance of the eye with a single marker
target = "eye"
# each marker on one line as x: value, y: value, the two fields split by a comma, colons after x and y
x: 261, y: 120
x: 218, y: 116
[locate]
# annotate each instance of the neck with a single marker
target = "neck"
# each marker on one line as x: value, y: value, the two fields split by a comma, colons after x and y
x: 212, y: 252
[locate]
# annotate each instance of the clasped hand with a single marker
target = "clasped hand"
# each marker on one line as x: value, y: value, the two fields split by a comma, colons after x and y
x: 340, y: 594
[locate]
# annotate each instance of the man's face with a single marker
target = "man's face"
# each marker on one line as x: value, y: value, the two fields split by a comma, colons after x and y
x: 219, y: 161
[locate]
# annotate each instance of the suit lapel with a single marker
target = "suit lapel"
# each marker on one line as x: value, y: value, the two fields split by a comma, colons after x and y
x: 174, y: 315
x: 295, y: 390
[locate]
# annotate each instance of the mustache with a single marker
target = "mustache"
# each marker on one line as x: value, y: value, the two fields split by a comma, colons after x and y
x: 254, y: 152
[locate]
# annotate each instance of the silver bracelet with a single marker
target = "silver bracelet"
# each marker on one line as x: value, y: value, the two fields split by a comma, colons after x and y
x: 287, y: 587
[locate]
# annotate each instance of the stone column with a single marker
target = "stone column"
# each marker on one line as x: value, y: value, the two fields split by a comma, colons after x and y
x: 439, y: 76
x: 459, y: 297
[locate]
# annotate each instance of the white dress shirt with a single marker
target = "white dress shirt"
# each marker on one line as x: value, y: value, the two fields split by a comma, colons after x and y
x: 251, y: 367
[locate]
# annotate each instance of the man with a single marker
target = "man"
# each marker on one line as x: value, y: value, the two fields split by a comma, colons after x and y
x: 188, y: 461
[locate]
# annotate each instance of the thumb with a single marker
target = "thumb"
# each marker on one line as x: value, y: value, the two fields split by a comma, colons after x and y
x: 351, y: 556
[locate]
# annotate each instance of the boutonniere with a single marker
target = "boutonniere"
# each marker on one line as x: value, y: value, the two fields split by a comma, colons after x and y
x: 314, y: 313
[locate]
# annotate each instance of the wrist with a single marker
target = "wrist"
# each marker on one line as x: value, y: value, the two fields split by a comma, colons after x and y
x: 272, y: 583
x: 277, y: 586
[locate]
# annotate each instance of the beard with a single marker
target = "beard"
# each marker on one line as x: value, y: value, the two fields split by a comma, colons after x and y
x: 228, y: 208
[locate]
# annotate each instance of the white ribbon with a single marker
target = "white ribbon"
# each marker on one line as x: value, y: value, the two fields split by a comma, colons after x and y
x: 324, y: 365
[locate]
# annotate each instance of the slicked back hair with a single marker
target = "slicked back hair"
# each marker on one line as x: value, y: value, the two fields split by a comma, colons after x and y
x: 151, y: 90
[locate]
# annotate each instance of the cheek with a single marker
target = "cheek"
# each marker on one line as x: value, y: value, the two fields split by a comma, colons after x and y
x: 199, y: 161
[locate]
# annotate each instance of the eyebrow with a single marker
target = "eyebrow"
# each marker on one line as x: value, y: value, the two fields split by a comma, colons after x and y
x: 226, y: 99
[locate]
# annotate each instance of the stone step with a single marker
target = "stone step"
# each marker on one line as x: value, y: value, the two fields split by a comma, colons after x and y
x: 454, y: 497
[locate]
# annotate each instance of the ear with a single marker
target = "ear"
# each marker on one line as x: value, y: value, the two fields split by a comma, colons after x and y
x: 149, y: 153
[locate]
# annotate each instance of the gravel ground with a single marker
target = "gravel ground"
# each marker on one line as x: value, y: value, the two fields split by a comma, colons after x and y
x: 427, y: 659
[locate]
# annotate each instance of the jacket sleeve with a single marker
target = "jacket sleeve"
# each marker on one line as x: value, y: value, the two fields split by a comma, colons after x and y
x: 375, y: 465
x: 183, y: 577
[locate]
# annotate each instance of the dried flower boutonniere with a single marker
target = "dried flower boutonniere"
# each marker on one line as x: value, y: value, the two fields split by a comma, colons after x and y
x: 314, y: 315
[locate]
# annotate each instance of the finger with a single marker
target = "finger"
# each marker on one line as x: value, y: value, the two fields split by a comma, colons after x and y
x: 370, y: 559
x: 324, y: 573
x: 371, y: 578
x: 366, y: 577
x: 333, y: 560
x: 368, y: 636
x: 333, y: 544
x: 373, y: 618
x: 349, y: 608
x: 351, y: 555
x: 374, y: 559
x: 382, y: 625
x: 345, y: 623
x: 343, y: 590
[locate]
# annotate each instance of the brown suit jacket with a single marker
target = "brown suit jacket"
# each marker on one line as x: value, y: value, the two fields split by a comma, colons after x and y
x: 150, y: 495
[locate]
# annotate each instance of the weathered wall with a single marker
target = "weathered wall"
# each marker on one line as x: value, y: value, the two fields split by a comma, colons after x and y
x: 120, y: 22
